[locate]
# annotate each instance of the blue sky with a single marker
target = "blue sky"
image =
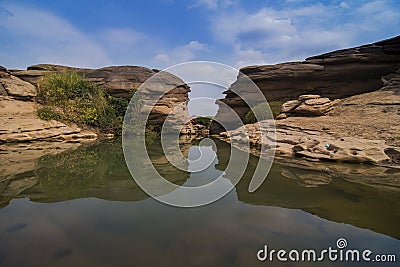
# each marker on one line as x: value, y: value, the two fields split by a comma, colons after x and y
x: 160, y: 33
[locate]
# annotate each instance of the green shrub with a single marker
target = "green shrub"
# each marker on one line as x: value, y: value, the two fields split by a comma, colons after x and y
x: 67, y: 96
x: 47, y: 113
x: 275, y: 107
x: 206, y: 121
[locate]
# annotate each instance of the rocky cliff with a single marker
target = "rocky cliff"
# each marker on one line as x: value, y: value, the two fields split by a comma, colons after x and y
x: 334, y: 75
x: 18, y: 88
x: 353, y: 115
x: 119, y: 81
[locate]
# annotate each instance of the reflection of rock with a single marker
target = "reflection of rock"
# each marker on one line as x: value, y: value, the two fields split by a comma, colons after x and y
x: 308, y: 179
x: 19, y: 162
x: 16, y: 187
x: 21, y: 158
x: 95, y: 170
x: 344, y: 193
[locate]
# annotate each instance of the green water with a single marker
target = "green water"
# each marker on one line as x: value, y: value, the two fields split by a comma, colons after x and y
x: 84, y: 209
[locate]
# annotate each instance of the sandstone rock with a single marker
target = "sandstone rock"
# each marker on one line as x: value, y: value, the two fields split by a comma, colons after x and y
x: 2, y: 90
x: 307, y: 105
x: 300, y: 142
x: 313, y: 110
x: 122, y: 81
x: 358, y: 129
x: 335, y: 75
x: 16, y: 87
x: 281, y: 116
x: 306, y: 97
x: 19, y: 123
x: 317, y: 101
x: 290, y: 105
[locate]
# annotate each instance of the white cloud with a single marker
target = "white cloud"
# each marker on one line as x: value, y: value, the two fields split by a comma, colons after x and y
x: 162, y: 58
x: 195, y: 46
x: 180, y: 54
x: 376, y: 15
x: 121, y: 36
x: 344, y: 5
x: 210, y: 4
x: 213, y: 4
x: 294, y: 33
x: 45, y: 38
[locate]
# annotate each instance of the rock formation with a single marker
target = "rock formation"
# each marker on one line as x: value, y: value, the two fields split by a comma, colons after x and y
x: 334, y: 75
x: 18, y: 109
x: 19, y: 121
x: 119, y: 81
x: 306, y: 105
x: 361, y: 128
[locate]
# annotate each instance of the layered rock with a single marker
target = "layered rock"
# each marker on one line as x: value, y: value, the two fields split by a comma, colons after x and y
x: 121, y: 81
x: 362, y: 128
x: 306, y: 105
x: 194, y: 128
x: 13, y: 86
x: 334, y: 75
x: 20, y: 123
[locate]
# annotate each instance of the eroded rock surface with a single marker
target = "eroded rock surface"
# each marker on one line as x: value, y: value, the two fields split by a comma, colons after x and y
x: 20, y: 123
x: 122, y: 81
x: 13, y: 86
x: 334, y: 75
x: 362, y: 128
x: 306, y: 105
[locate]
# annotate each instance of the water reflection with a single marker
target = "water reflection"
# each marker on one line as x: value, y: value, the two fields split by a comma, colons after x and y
x: 136, y: 230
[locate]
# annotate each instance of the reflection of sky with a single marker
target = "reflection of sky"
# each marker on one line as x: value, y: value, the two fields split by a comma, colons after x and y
x: 93, y: 232
x: 208, y: 93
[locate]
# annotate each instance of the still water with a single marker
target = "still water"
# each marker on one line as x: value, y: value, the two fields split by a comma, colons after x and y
x: 82, y: 208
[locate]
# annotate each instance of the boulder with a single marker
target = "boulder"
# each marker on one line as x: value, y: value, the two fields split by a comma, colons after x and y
x: 313, y: 110
x: 13, y: 86
x: 306, y: 105
x: 307, y: 97
x: 281, y: 116
x: 290, y: 105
